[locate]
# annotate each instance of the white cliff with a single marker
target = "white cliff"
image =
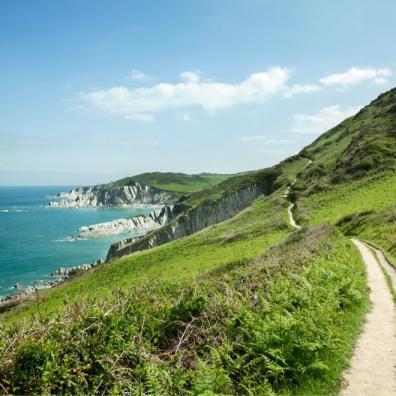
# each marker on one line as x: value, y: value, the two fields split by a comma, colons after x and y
x: 102, y: 195
x: 138, y: 225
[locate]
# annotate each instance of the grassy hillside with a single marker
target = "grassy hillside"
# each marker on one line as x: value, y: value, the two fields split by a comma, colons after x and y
x: 375, y: 226
x: 180, y: 183
x: 281, y: 322
x: 242, y: 237
x: 248, y: 306
x: 269, y: 178
x: 359, y: 146
x: 373, y: 192
x: 352, y: 180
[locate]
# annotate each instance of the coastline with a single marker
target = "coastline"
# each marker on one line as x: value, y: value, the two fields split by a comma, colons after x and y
x: 61, y: 275
x: 139, y: 224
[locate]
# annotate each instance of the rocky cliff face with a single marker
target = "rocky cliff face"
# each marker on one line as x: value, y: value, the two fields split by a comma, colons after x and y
x: 94, y: 196
x: 189, y: 222
x: 138, y: 224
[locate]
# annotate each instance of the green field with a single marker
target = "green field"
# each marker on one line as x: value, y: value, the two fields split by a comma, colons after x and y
x: 180, y: 183
x: 328, y: 206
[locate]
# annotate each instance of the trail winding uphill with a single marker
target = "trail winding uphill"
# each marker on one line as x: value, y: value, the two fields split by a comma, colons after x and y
x: 373, y: 363
x: 372, y: 369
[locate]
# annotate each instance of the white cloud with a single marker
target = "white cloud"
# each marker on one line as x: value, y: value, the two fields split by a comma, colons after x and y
x: 186, y: 117
x: 138, y: 75
x: 190, y: 76
x: 324, y: 119
x: 356, y: 75
x: 301, y: 88
x: 192, y: 91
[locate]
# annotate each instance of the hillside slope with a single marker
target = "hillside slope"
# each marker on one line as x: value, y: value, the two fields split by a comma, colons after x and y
x: 361, y: 145
x: 352, y: 180
x: 245, y: 306
x: 146, y: 189
x: 201, y: 209
x: 180, y: 183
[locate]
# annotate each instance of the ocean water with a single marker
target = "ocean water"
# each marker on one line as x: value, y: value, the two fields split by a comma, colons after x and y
x: 34, y: 238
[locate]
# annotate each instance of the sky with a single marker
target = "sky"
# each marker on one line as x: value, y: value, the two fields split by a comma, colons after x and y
x: 93, y: 90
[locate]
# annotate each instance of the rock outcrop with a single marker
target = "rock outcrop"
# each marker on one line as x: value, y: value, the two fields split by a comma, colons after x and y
x: 139, y: 225
x: 188, y: 222
x: 104, y: 195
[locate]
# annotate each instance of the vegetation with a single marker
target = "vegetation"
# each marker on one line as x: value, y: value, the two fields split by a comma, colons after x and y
x: 241, y: 238
x: 361, y: 145
x: 247, y: 306
x: 179, y: 183
x: 377, y: 227
x: 331, y: 204
x: 284, y: 321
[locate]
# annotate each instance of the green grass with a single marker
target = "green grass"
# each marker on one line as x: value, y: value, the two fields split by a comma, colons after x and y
x: 330, y: 205
x: 283, y: 322
x: 377, y: 227
x: 290, y: 169
x: 179, y: 183
x: 243, y: 307
x: 360, y: 145
x: 244, y: 237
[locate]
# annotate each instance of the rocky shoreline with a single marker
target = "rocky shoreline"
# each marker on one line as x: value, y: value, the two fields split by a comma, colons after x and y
x: 104, y: 195
x: 61, y: 275
x: 140, y: 225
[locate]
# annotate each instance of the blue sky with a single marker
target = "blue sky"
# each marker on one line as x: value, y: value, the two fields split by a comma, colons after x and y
x: 92, y: 91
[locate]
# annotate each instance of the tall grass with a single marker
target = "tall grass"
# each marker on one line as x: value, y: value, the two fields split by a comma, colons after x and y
x: 283, y: 322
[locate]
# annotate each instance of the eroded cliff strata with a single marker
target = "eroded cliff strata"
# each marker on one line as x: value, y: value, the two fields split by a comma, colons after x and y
x: 102, y: 195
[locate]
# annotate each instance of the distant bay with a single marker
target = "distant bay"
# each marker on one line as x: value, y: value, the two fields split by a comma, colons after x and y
x: 34, y: 239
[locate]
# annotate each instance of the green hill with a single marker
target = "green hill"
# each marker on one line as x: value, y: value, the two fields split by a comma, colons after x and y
x: 180, y: 183
x: 361, y: 145
x: 246, y: 306
x: 353, y: 175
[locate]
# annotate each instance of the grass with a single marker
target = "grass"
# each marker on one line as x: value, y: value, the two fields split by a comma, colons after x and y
x: 290, y: 169
x: 330, y: 205
x: 243, y: 307
x: 377, y: 227
x: 179, y: 183
x: 283, y: 322
x: 360, y: 145
x: 242, y: 237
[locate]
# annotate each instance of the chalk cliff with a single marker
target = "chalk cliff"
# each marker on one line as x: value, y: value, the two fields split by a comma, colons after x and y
x: 137, y: 224
x: 188, y: 222
x: 102, y: 195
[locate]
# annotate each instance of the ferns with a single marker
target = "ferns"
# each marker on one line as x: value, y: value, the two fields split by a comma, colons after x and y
x: 255, y: 328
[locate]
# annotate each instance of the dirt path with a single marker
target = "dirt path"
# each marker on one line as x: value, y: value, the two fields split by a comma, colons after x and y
x: 373, y: 363
x: 291, y: 218
x: 291, y: 207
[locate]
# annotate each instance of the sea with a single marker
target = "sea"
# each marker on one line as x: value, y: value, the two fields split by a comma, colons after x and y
x: 35, y: 239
